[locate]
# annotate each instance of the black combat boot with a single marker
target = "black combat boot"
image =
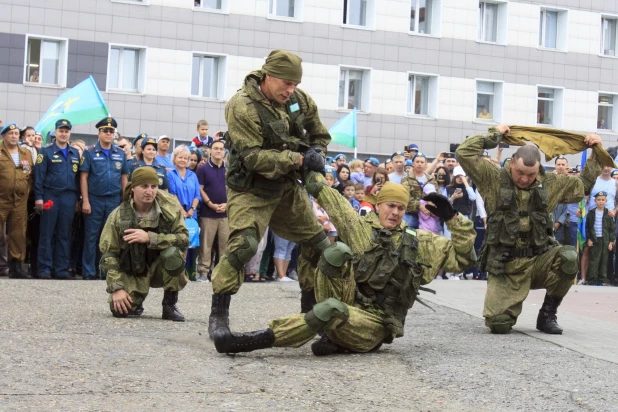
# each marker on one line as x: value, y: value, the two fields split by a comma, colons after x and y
x: 547, y: 320
x: 228, y: 342
x: 219, y: 313
x: 170, y: 311
x: 324, y: 346
x: 15, y: 270
x: 307, y: 300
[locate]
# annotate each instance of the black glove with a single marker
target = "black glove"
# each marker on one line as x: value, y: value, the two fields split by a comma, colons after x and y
x: 443, y: 208
x: 313, y: 160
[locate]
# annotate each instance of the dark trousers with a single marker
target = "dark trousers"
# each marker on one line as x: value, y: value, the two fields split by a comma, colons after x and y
x: 101, y: 207
x: 55, y: 240
x: 479, y: 227
x: 597, y: 269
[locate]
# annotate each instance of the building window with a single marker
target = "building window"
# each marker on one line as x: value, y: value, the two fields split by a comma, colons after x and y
x: 358, y: 13
x: 492, y: 22
x: 208, y: 4
x: 354, y: 86
x: 46, y: 61
x: 126, y: 69
x: 488, y: 101
x: 421, y: 16
x: 549, y: 106
x: 422, y: 95
x: 208, y: 76
x: 605, y: 118
x: 608, y: 36
x: 552, y: 29
x: 290, y: 9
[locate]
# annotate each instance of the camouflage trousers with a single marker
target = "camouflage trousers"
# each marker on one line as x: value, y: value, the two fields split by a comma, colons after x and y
x: 506, y: 292
x: 290, y: 217
x: 157, y: 277
x: 597, y: 269
x: 362, y: 332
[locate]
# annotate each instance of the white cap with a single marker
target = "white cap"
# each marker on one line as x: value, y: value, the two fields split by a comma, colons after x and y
x: 458, y: 171
x: 164, y: 136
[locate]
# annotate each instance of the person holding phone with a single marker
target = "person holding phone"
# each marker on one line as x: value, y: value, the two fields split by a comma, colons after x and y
x: 460, y: 193
x: 379, y: 178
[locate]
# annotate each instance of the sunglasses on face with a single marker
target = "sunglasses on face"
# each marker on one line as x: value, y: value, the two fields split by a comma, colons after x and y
x: 107, y: 131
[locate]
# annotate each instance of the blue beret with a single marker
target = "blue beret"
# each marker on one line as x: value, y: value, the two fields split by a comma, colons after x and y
x: 373, y: 161
x: 601, y: 193
x: 419, y: 154
x: 397, y: 154
x: 340, y: 155
x: 10, y: 126
x: 194, y: 150
x: 408, y: 162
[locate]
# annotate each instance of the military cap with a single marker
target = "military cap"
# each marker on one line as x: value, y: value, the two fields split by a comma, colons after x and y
x: 450, y: 155
x: 108, y: 122
x: 330, y: 170
x: 8, y: 127
x: 329, y: 159
x: 413, y: 146
x: 164, y: 136
x: 387, y: 161
x: 614, y: 172
x: 601, y: 193
x: 149, y: 140
x: 419, y: 154
x: 373, y: 161
x: 284, y: 65
x: 408, y: 162
x: 397, y: 154
x: 64, y: 123
x: 560, y: 157
x: 139, y: 136
x: 340, y: 155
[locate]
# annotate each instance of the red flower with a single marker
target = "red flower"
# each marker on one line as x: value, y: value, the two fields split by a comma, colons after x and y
x: 48, y: 205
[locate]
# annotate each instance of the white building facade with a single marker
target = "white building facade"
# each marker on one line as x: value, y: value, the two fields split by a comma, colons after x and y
x: 419, y: 71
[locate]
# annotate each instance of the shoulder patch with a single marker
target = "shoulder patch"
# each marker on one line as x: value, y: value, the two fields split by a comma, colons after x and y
x: 411, y: 231
x: 39, y: 158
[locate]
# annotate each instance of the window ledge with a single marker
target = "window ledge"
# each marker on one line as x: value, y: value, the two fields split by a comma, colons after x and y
x: 283, y: 18
x: 206, y: 99
x: 550, y: 49
x: 491, y: 42
x: 209, y: 10
x: 435, y: 36
x: 608, y: 56
x: 607, y: 131
x: 342, y: 110
x: 44, y: 86
x: 352, y: 26
x: 127, y: 92
x: 420, y: 116
x: 486, y: 121
x: 139, y: 3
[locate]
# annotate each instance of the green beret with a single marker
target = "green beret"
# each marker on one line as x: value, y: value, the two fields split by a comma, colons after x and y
x: 284, y: 65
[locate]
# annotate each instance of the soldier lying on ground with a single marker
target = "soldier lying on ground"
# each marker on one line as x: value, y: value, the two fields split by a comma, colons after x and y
x: 365, y: 284
x: 143, y: 245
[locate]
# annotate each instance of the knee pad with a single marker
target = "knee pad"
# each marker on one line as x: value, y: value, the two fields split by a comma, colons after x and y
x: 320, y: 241
x: 566, y: 262
x: 500, y: 324
x: 324, y: 314
x: 333, y: 260
x: 173, y: 260
x: 241, y: 256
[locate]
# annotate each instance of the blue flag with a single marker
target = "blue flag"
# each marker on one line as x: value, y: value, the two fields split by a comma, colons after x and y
x: 81, y: 104
x: 344, y: 131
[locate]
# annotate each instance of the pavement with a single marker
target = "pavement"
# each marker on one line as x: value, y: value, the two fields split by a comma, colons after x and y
x: 60, y: 349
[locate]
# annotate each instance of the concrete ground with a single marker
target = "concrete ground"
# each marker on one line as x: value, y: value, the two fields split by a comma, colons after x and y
x: 60, y: 349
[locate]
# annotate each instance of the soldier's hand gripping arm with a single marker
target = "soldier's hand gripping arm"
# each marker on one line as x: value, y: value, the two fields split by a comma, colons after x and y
x: 245, y: 131
x: 349, y: 224
x: 454, y: 255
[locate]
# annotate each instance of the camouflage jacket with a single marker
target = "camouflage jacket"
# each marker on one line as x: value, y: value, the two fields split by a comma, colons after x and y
x: 245, y: 129
x: 410, y: 182
x: 434, y: 252
x: 164, y: 207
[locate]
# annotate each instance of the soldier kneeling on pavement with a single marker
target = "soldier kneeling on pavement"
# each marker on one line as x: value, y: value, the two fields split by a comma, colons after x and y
x: 366, y: 285
x: 143, y: 245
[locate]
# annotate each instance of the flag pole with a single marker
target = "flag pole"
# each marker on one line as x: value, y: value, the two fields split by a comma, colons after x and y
x: 355, y: 136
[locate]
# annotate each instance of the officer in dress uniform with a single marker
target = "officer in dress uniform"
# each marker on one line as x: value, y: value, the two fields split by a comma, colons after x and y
x: 103, y: 176
x: 149, y: 159
x: 56, y: 180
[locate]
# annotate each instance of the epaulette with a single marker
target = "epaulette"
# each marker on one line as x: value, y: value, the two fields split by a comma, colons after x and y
x: 48, y: 145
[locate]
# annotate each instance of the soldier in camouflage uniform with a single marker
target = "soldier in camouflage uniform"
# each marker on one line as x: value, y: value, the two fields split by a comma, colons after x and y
x: 274, y: 132
x: 143, y: 245
x: 520, y: 252
x: 366, y: 285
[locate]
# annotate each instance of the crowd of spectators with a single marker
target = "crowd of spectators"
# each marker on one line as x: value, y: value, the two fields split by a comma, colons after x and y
x: 195, y: 175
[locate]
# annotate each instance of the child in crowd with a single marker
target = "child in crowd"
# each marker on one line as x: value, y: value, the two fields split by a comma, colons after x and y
x: 359, y: 195
x: 348, y: 192
x: 429, y: 222
x: 600, y: 232
x: 408, y: 166
x: 330, y: 176
x: 357, y: 166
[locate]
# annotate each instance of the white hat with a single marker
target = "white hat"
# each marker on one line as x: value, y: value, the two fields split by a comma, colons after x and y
x: 458, y: 171
x: 164, y: 136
